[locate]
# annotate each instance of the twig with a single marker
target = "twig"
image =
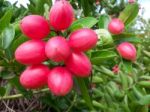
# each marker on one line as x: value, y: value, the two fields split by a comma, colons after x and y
x: 21, y: 95
x: 74, y: 100
x: 11, y: 110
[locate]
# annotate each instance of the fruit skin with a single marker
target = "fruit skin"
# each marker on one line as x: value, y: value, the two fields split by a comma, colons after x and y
x: 57, y: 49
x: 127, y: 51
x: 116, y: 26
x: 60, y: 81
x: 79, y: 64
x: 61, y: 15
x: 35, y: 26
x: 131, y: 1
x: 31, y: 52
x: 34, y: 76
x: 83, y: 39
x: 116, y: 69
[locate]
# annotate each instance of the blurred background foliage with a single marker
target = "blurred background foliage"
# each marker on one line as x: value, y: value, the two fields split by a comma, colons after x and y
x: 105, y: 91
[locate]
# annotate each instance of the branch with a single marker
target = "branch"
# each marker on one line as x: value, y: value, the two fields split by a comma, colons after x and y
x: 21, y: 95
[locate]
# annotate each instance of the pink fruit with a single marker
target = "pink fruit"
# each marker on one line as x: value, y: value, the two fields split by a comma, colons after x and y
x: 116, y: 26
x: 31, y: 52
x: 127, y: 51
x: 61, y: 15
x: 131, y: 1
x: 34, y: 27
x: 60, y: 81
x: 57, y: 49
x: 34, y: 76
x: 83, y: 39
x: 79, y: 64
x: 115, y: 69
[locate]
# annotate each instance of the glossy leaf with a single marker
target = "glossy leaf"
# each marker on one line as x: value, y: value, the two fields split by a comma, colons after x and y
x: 103, y: 21
x: 97, y: 57
x: 86, y: 22
x: 7, y: 37
x: 5, y: 20
x: 129, y: 13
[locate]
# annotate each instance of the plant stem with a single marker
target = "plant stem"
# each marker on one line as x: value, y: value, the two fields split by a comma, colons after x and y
x: 74, y: 100
x: 21, y: 95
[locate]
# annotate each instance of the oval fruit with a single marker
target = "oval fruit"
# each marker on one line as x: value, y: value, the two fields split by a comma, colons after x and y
x: 31, y: 52
x: 116, y: 26
x: 61, y: 15
x: 60, y: 81
x: 127, y: 51
x: 34, y: 27
x: 131, y: 1
x: 83, y: 39
x: 34, y: 76
x: 79, y: 64
x: 57, y: 49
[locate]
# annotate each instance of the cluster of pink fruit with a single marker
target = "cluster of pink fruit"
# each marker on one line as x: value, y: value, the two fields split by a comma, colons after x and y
x: 58, y: 49
x: 125, y: 49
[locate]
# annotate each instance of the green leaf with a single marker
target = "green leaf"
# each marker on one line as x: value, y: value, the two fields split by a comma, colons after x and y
x: 145, y: 100
x: 37, y: 6
x: 129, y: 13
x: 103, y: 21
x: 2, y: 91
x: 76, y: 27
x: 145, y: 84
x: 86, y: 7
x: 97, y: 57
x: 7, y: 37
x: 7, y: 75
x: 84, y: 92
x: 86, y: 22
x: 104, y: 70
x: 128, y: 39
x: 5, y: 20
x: 127, y: 66
x: 18, y: 41
x: 124, y: 81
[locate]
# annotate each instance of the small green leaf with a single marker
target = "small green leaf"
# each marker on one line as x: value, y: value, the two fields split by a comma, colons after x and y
x: 6, y: 75
x: 103, y: 21
x: 145, y: 100
x: 86, y: 22
x: 2, y: 91
x: 97, y: 57
x: 128, y: 39
x: 7, y: 37
x: 124, y: 80
x: 76, y: 27
x: 129, y: 13
x: 145, y: 84
x: 127, y: 66
x: 5, y: 20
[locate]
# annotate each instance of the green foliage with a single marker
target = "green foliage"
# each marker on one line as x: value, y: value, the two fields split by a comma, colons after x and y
x: 86, y: 22
x: 129, y: 13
